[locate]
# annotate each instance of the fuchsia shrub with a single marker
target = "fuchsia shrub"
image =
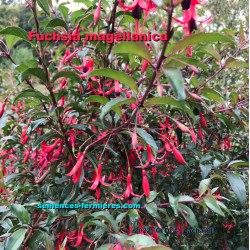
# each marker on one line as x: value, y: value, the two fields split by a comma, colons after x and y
x: 136, y: 122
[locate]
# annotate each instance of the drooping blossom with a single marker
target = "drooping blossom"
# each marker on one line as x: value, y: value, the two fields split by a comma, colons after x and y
x: 129, y: 190
x: 203, y: 121
x: 78, y: 165
x: 98, y: 179
x: 97, y: 13
x: 2, y: 106
x: 189, y: 19
x: 145, y: 183
x: 86, y: 67
x: 137, y: 8
x: 178, y: 156
x: 24, y: 135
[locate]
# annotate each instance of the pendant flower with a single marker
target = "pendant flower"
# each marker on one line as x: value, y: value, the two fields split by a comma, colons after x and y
x: 129, y: 190
x: 190, y: 18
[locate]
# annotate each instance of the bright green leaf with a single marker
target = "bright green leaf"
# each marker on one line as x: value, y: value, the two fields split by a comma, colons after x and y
x: 16, y: 31
x: 238, y: 187
x: 116, y: 75
x: 189, y: 215
x: 57, y: 22
x: 37, y: 72
x: 114, y: 103
x: 211, y: 203
x: 236, y: 64
x: 21, y: 213
x: 176, y: 81
x: 16, y: 239
x: 148, y: 138
x: 134, y: 48
x: 204, y: 186
x: 201, y: 38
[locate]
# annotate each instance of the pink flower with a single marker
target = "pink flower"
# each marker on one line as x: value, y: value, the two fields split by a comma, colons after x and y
x: 97, y: 13
x: 98, y: 178
x: 129, y: 190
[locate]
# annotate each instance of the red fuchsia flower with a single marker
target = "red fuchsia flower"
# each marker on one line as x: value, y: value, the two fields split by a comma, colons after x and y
x: 74, y: 33
x: 145, y: 183
x: 2, y: 106
x: 78, y: 165
x: 61, y: 236
x: 85, y: 68
x: 228, y: 225
x: 193, y: 135
x: 48, y: 148
x: 151, y: 158
x: 144, y: 66
x: 178, y: 156
x: 203, y: 121
x: 98, y: 179
x: 97, y: 13
x: 190, y: 18
x: 24, y: 135
x: 77, y: 236
x: 137, y: 8
x: 129, y: 190
x: 200, y: 133
x: 155, y: 234
x: 26, y: 155
x: 179, y: 227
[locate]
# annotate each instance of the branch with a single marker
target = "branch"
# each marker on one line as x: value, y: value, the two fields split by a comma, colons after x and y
x: 151, y: 84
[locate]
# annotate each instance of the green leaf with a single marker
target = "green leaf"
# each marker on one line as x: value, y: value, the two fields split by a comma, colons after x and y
x: 16, y: 239
x: 211, y: 94
x: 211, y: 203
x: 148, y: 139
x: 134, y: 48
x: 201, y: 38
x: 176, y: 81
x: 173, y: 203
x: 36, y: 238
x: 235, y: 63
x: 169, y: 101
x: 32, y: 93
x: 44, y: 6
x: 204, y: 186
x: 152, y: 210
x: 35, y: 124
x: 116, y: 75
x: 133, y: 215
x: 64, y: 11
x: 57, y: 22
x: 141, y: 240
x: 180, y: 61
x: 188, y: 215
x: 115, y: 103
x: 152, y: 196
x: 107, y: 217
x: 97, y: 98
x: 236, y: 163
x: 238, y: 187
x: 68, y: 74
x: 11, y: 40
x: 18, y: 32
x: 205, y: 170
x: 186, y: 198
x: 214, y: 53
x: 37, y: 72
x: 21, y: 213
